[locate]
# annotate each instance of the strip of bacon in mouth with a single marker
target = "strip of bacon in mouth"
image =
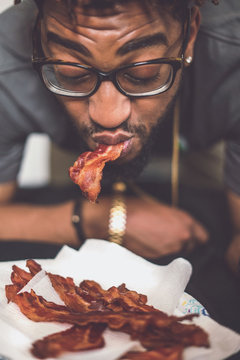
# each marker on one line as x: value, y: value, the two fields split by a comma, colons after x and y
x: 87, y: 170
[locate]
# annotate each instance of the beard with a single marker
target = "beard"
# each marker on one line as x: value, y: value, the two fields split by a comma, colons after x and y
x: 133, y: 168
x: 114, y: 171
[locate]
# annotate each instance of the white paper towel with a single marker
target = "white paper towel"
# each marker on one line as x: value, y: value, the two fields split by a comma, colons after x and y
x: 108, y: 264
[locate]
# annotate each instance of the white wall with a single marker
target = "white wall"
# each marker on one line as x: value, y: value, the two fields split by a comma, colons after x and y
x: 4, y: 4
x: 35, y: 169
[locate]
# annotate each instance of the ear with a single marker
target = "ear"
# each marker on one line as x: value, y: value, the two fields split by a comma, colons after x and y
x: 193, y: 31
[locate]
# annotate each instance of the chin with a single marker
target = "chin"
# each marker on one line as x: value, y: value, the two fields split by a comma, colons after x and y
x: 126, y: 169
x: 129, y: 158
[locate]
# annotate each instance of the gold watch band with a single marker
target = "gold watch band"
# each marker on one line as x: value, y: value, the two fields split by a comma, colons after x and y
x: 118, y: 215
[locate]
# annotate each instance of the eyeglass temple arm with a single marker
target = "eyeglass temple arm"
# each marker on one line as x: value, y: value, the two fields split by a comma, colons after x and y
x: 187, y: 35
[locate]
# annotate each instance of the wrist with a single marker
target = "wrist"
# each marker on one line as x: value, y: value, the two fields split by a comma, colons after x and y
x: 95, y: 218
x: 107, y: 218
x: 118, y: 214
x: 77, y: 220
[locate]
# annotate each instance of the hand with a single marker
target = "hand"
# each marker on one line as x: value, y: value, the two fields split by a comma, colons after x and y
x: 233, y: 255
x: 155, y: 229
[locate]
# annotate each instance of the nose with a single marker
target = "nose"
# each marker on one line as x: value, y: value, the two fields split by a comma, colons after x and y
x: 108, y: 107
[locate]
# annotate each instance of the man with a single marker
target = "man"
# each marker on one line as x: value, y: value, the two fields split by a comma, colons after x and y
x: 106, y: 37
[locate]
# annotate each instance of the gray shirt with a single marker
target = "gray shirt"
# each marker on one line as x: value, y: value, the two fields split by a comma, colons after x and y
x: 26, y: 106
x: 211, y: 88
x: 210, y: 95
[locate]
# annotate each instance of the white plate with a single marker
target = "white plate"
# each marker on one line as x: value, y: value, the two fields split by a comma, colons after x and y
x: 110, y: 264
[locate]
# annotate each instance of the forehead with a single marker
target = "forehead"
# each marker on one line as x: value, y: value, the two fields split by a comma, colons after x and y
x: 105, y: 30
x: 129, y: 14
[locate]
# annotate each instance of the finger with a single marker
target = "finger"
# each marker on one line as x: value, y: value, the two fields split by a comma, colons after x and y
x: 199, y: 233
x: 233, y: 257
x: 139, y: 248
x: 189, y: 245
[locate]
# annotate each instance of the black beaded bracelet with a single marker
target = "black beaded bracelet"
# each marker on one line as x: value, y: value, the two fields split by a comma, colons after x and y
x: 76, y: 220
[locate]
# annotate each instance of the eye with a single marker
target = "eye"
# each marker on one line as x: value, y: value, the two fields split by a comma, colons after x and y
x: 69, y: 77
x: 145, y: 73
x: 145, y: 78
x: 72, y: 74
x: 142, y: 73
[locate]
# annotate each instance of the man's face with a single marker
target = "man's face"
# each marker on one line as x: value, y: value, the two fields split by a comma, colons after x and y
x: 108, y: 39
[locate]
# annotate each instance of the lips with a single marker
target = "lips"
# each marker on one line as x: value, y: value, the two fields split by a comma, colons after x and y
x: 108, y: 138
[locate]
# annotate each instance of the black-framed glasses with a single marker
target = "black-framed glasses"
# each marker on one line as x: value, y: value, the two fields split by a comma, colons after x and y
x: 140, y: 79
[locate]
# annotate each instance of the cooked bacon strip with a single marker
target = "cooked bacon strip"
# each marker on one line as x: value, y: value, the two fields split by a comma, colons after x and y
x: 176, y: 333
x: 92, y: 290
x: 69, y: 293
x: 164, y: 353
x: 130, y: 322
x: 95, y: 291
x: 118, y: 308
x: 150, y: 328
x: 74, y: 339
x: 87, y: 169
x: 33, y: 266
x: 122, y: 299
x: 38, y: 309
x: 20, y: 278
x: 154, y: 329
x: 138, y: 297
x: 89, y: 296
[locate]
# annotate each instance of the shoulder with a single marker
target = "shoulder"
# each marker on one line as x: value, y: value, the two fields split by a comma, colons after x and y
x: 25, y: 104
x: 15, y: 33
x: 18, y: 17
x: 214, y: 76
x: 222, y: 21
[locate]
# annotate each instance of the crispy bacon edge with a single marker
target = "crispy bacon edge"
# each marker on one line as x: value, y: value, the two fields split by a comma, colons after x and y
x: 76, y: 338
x: 20, y: 278
x: 117, y: 308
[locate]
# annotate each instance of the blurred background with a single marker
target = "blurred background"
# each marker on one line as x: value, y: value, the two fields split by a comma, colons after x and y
x: 35, y: 169
x: 4, y: 4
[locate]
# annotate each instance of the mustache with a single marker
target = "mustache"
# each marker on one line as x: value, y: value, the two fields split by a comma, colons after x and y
x: 139, y: 130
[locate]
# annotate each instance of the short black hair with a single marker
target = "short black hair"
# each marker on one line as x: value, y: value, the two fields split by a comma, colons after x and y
x: 178, y: 8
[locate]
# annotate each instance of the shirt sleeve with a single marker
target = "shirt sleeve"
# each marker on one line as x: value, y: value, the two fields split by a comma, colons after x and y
x: 12, y: 138
x: 26, y: 106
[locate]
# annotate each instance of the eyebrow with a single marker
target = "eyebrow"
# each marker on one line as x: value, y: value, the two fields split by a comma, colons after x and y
x: 132, y: 45
x: 143, y: 42
x: 69, y: 44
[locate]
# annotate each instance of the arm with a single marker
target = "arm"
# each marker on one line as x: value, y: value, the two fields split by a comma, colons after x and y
x: 35, y: 223
x: 153, y: 229
x: 7, y: 192
x: 233, y: 252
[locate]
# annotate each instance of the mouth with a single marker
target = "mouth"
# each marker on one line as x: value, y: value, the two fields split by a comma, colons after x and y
x: 109, y: 138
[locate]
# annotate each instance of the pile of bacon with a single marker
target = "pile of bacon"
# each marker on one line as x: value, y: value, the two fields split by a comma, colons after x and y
x: 87, y: 170
x: 90, y: 310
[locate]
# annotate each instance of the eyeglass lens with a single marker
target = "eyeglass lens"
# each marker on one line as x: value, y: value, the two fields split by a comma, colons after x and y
x: 69, y: 78
x: 133, y: 80
x: 145, y: 78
